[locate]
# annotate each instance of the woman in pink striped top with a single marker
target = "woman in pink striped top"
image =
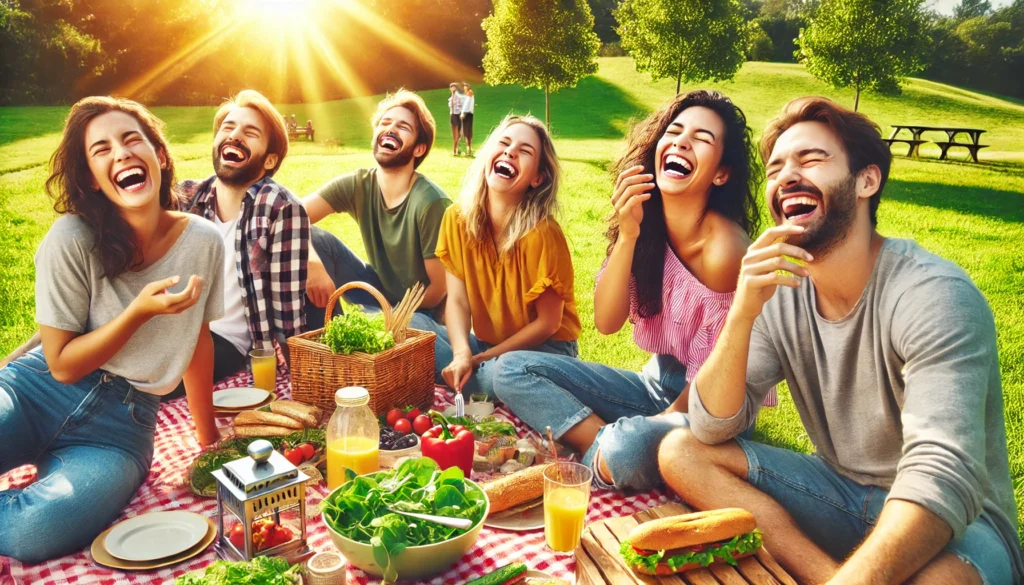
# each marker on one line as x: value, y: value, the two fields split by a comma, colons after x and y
x: 684, y: 209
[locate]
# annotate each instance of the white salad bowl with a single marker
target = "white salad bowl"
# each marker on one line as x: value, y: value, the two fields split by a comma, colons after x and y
x: 415, y: 562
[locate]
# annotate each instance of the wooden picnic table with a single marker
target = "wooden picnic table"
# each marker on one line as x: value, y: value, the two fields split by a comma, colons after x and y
x: 951, y: 131
x: 598, y: 561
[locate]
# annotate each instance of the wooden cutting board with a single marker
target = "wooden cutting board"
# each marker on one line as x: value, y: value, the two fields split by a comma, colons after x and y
x: 598, y: 561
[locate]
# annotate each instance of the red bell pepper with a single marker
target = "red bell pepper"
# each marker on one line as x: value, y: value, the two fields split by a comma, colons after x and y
x: 449, y: 446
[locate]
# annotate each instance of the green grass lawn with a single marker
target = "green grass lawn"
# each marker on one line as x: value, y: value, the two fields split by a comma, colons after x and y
x: 970, y: 214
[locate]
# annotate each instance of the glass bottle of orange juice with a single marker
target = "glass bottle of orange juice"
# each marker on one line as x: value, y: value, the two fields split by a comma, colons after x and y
x: 353, y: 436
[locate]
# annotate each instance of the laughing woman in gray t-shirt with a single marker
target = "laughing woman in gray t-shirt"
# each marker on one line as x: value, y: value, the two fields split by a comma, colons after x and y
x: 125, y: 289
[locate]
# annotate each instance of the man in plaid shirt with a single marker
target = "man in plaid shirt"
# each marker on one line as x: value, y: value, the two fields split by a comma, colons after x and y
x: 262, y: 222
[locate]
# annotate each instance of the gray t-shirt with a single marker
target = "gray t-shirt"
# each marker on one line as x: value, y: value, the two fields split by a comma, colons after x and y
x: 903, y: 393
x: 73, y: 294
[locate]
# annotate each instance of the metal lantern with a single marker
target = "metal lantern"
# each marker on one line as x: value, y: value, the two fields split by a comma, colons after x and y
x: 252, y: 492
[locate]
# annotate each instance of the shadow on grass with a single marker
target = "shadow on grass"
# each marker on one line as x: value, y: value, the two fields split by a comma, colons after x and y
x: 980, y: 201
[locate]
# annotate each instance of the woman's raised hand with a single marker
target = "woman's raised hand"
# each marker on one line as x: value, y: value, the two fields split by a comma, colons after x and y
x: 631, y: 190
x: 156, y: 300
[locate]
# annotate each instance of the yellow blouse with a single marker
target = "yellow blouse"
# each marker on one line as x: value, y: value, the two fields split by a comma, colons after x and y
x: 502, y: 289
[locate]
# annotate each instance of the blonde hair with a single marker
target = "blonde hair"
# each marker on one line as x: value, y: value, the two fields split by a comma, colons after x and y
x: 425, y: 126
x: 277, y: 142
x: 538, y: 204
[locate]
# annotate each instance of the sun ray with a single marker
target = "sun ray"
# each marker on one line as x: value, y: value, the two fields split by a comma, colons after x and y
x: 424, y: 53
x: 158, y: 77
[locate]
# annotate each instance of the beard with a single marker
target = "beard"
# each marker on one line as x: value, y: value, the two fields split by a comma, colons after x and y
x: 831, y: 230
x: 244, y: 175
x: 392, y: 159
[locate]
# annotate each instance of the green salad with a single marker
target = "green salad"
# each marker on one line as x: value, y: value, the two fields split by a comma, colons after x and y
x: 359, y: 509
x: 259, y: 571
x: 356, y: 331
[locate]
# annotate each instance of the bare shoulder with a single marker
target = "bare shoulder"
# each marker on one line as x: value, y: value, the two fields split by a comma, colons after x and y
x: 723, y: 253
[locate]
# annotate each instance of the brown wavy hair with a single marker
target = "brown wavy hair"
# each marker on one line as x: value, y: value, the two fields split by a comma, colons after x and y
x: 70, y: 183
x: 736, y: 199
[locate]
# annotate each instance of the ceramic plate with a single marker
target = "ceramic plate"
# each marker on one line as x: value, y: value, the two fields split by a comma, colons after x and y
x: 540, y: 576
x: 102, y: 557
x: 154, y: 536
x: 239, y: 397
x: 232, y: 411
x: 532, y: 519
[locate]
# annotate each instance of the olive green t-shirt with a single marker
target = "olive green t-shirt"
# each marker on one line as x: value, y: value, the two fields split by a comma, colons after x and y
x: 398, y: 240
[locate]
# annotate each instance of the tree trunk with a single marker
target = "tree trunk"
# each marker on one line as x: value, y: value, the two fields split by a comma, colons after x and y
x: 547, y: 107
x: 856, y: 87
x: 679, y: 75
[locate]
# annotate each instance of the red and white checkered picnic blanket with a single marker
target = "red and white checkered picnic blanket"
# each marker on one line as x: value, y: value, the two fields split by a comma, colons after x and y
x: 166, y: 489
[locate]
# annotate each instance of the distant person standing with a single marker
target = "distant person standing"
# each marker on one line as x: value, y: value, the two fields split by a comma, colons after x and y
x: 455, y: 114
x: 468, y: 103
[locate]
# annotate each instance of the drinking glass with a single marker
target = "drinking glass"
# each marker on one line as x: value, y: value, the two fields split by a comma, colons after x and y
x: 566, y: 499
x: 264, y: 369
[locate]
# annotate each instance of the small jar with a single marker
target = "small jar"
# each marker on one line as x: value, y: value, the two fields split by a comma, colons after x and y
x: 326, y: 568
x: 353, y: 436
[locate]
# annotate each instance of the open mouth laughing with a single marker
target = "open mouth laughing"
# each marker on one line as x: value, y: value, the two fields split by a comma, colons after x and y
x: 676, y: 167
x: 799, y: 205
x: 505, y: 170
x: 131, y: 179
x: 389, y: 142
x: 234, y: 154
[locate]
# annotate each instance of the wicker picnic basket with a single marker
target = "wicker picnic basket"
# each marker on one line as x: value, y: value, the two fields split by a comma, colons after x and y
x: 396, y: 377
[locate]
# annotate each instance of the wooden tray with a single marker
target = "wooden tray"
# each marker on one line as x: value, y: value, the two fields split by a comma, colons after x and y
x: 598, y: 561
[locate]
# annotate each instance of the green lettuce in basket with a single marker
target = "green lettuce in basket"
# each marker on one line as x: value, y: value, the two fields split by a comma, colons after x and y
x: 356, y: 331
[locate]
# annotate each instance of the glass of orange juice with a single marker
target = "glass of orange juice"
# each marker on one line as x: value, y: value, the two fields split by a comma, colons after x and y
x: 264, y: 369
x: 566, y: 498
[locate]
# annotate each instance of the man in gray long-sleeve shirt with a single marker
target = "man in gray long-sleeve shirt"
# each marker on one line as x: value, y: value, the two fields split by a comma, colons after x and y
x: 890, y: 354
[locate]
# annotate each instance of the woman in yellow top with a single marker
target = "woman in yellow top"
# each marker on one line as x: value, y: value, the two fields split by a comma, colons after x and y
x: 509, y: 271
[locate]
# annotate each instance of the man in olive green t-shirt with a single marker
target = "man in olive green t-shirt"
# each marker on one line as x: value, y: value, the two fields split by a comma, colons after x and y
x: 398, y: 210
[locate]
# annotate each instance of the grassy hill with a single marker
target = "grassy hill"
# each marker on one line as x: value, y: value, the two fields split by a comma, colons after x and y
x: 971, y: 214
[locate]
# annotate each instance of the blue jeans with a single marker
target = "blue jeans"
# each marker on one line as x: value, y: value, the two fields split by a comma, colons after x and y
x: 343, y: 266
x: 92, y: 443
x: 837, y: 513
x: 557, y: 391
x: 482, y: 380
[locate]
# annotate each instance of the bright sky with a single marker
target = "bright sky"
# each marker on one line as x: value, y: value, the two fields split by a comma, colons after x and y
x: 947, y: 6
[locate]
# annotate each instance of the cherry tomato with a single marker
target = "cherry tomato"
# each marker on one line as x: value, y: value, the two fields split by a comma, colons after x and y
x: 403, y: 426
x: 237, y: 536
x: 294, y: 456
x: 412, y: 413
x: 422, y: 424
x: 394, y: 415
x: 308, y: 450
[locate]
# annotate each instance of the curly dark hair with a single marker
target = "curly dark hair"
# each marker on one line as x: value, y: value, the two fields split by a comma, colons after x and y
x: 736, y: 199
x: 70, y: 181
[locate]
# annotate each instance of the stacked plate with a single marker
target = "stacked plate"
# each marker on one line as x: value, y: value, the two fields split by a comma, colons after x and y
x: 153, y: 540
x: 234, y: 400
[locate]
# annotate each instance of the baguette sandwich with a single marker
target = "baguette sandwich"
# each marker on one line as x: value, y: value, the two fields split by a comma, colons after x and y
x: 517, y: 492
x: 679, y: 543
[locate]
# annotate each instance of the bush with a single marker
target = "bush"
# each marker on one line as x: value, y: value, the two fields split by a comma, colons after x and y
x: 759, y: 44
x: 611, y: 50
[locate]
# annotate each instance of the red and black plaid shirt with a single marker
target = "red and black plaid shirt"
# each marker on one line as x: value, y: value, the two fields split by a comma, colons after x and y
x: 271, y: 251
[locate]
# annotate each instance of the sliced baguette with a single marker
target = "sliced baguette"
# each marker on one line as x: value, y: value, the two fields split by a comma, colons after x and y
x: 257, y: 417
x: 262, y: 431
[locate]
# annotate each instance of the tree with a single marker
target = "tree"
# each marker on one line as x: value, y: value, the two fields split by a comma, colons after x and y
x: 972, y: 9
x: 759, y: 44
x: 868, y: 44
x: 691, y: 40
x: 540, y: 43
